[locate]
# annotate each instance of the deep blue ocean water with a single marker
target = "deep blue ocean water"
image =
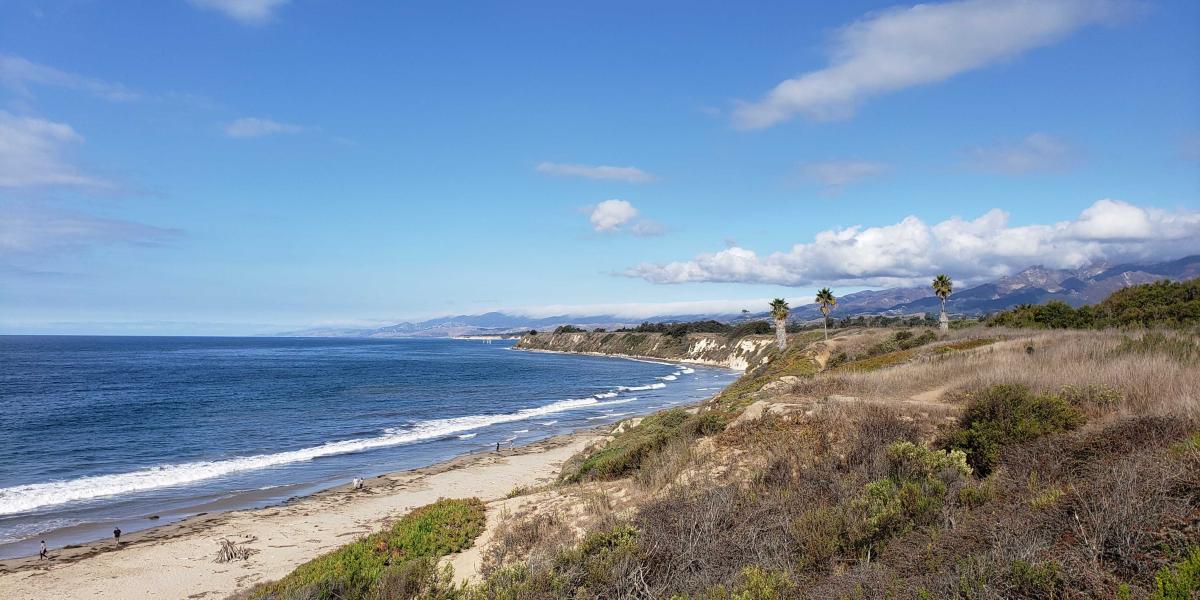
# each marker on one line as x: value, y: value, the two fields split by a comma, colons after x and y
x: 97, y: 432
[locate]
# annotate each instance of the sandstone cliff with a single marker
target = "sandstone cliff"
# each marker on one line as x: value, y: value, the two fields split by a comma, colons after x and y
x: 699, y: 348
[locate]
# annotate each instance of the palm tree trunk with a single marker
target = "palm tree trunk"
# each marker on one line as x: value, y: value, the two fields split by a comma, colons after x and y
x: 825, y: 320
x: 943, y: 320
x: 781, y: 333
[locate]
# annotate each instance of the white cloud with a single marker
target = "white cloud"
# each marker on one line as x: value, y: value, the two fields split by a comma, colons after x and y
x: 18, y: 74
x: 36, y: 230
x: 1037, y: 152
x: 249, y: 12
x: 253, y: 127
x: 612, y: 214
x: 910, y: 251
x: 33, y: 154
x: 903, y: 47
x: 620, y: 216
x: 627, y: 174
x: 833, y: 175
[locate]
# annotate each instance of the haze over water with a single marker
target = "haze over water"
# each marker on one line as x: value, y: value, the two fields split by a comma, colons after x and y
x: 105, y: 431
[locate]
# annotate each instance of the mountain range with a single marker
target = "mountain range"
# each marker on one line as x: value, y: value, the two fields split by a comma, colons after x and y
x: 1033, y: 285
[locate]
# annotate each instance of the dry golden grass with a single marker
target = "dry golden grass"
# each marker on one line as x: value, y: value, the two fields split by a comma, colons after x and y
x: 1151, y: 381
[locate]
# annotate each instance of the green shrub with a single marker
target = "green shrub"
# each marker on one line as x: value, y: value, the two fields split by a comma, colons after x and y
x: 974, y: 496
x: 913, y: 461
x: 1098, y: 397
x: 892, y: 507
x: 911, y: 495
x: 1005, y: 414
x: 756, y: 584
x: 629, y: 450
x: 1036, y: 580
x: 1164, y: 303
x: 704, y: 424
x: 1180, y: 581
x: 354, y: 570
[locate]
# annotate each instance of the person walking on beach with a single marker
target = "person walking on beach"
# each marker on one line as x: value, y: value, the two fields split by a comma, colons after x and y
x: 44, y: 554
x: 497, y: 447
x: 117, y: 535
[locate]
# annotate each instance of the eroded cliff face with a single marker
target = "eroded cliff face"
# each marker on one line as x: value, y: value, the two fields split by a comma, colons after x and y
x: 699, y: 348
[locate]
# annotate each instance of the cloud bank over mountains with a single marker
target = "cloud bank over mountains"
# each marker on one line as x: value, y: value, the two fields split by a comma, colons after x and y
x: 909, y: 252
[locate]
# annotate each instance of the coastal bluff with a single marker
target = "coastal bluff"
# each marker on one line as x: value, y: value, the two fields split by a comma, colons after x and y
x: 699, y: 348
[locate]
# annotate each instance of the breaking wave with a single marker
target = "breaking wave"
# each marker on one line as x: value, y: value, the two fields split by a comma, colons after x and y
x: 23, y: 498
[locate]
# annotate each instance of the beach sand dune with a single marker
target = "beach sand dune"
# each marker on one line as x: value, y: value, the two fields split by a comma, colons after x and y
x: 177, y: 561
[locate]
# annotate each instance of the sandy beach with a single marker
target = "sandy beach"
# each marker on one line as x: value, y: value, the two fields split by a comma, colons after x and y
x: 176, y: 560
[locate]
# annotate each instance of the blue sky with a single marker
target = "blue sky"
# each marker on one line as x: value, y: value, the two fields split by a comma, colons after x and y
x: 226, y: 166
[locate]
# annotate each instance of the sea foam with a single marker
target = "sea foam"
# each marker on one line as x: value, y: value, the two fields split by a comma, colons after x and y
x: 24, y: 498
x: 641, y: 388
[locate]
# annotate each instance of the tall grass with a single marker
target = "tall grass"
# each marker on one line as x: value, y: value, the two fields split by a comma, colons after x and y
x: 1150, y: 371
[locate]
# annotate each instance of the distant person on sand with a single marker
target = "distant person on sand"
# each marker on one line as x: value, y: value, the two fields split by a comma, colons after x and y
x: 117, y: 535
x: 44, y: 553
x: 497, y: 447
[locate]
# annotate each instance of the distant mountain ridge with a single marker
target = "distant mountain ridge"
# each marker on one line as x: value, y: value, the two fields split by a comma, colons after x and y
x: 1033, y: 285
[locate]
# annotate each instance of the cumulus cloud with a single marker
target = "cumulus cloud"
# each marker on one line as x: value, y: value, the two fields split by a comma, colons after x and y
x: 627, y: 174
x: 833, y: 175
x: 33, y: 153
x: 18, y: 74
x: 899, y: 48
x: 910, y: 251
x: 1037, y: 152
x: 612, y: 214
x: 249, y: 12
x: 253, y: 127
x: 27, y: 229
x: 620, y: 216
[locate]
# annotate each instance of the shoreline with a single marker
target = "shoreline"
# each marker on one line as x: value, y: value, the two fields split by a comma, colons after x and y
x: 175, y: 560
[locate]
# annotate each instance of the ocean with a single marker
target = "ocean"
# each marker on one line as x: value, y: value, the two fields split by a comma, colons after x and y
x: 100, y: 432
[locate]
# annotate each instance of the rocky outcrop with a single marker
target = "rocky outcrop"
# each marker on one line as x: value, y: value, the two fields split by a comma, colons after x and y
x: 699, y: 348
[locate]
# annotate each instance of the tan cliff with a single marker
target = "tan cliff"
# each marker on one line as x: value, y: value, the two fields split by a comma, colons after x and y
x: 699, y: 348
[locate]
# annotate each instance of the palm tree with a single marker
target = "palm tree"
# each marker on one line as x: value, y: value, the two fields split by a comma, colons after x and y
x: 827, y: 301
x: 779, y: 311
x: 942, y: 286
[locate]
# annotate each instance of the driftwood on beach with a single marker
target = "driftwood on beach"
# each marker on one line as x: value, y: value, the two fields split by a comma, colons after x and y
x: 230, y: 551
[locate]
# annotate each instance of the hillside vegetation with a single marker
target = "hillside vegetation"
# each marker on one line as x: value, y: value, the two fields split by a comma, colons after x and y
x: 982, y: 463
x: 1165, y: 304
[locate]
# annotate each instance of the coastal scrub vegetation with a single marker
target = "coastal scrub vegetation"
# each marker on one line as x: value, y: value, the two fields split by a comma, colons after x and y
x: 1165, y: 304
x: 629, y: 449
x: 990, y: 463
x: 388, y: 564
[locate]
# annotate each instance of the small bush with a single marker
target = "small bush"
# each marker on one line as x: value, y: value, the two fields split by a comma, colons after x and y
x: 909, y: 460
x: 1036, y: 580
x: 1180, y: 581
x: 756, y: 584
x: 974, y: 496
x: 1005, y: 414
